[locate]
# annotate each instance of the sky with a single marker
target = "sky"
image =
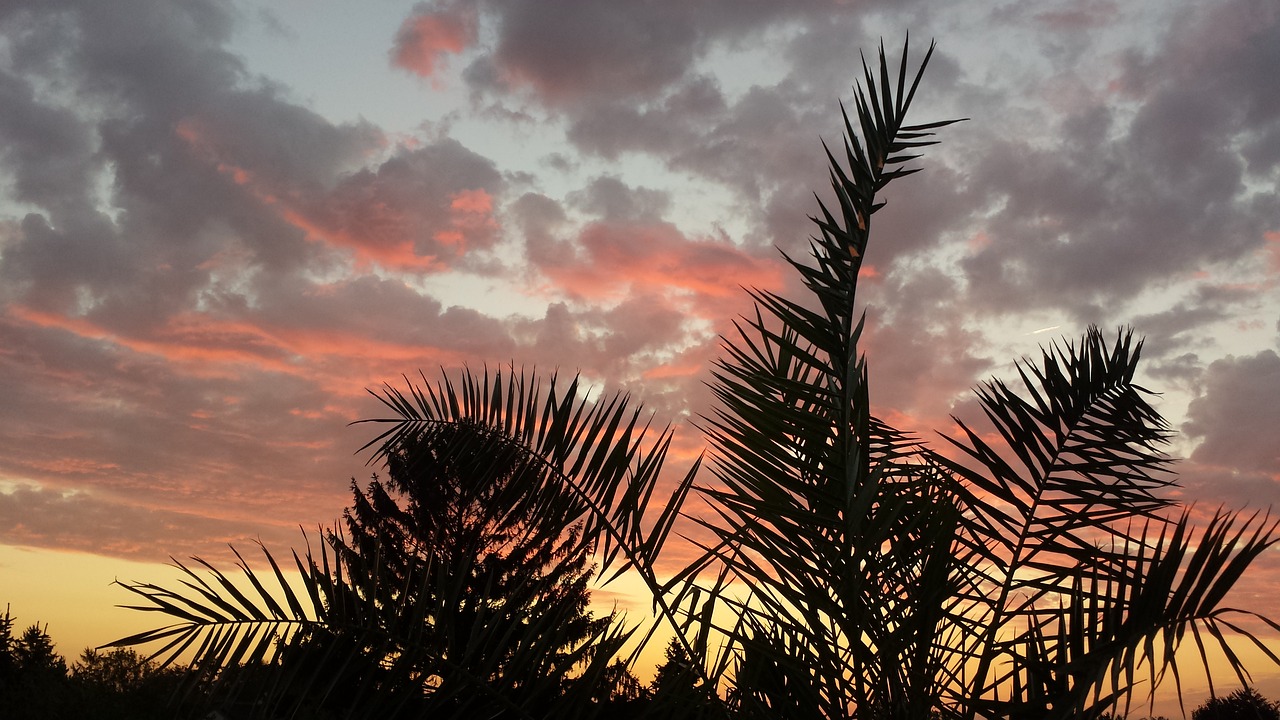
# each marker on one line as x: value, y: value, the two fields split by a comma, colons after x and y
x: 221, y: 222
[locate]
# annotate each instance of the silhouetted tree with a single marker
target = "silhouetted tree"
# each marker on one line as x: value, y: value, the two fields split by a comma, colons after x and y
x: 8, y: 648
x: 33, y: 676
x: 465, y: 542
x: 679, y: 690
x: 36, y: 656
x: 121, y: 684
x: 119, y: 670
x: 1243, y: 704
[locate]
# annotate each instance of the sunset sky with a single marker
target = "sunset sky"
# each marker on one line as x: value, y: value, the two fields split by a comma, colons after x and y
x: 221, y: 222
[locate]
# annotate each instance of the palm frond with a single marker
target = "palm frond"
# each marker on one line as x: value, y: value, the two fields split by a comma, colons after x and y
x: 811, y: 491
x: 599, y: 455
x: 1074, y: 571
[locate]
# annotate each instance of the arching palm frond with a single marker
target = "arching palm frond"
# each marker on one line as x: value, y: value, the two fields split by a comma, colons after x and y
x: 366, y: 634
x: 600, y: 461
x: 243, y: 639
x: 1073, y: 570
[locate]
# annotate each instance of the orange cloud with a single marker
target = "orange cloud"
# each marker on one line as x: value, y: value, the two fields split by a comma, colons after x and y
x: 471, y: 201
x: 425, y: 40
x: 375, y: 231
x: 341, y: 363
x: 670, y: 370
x: 622, y: 259
x: 1273, y: 251
x: 389, y: 253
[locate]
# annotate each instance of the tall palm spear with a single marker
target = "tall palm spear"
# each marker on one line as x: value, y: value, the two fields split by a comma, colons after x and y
x: 846, y: 569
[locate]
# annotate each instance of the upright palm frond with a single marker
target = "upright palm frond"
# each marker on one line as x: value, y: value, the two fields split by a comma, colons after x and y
x: 812, y: 491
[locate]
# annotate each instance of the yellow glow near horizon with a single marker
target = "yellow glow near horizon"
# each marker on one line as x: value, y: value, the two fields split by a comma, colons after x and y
x: 72, y: 594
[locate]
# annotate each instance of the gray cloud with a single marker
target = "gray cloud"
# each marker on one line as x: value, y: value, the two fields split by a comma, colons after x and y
x: 1236, y: 416
x: 1117, y: 204
x: 48, y: 518
x: 566, y: 51
x: 609, y: 198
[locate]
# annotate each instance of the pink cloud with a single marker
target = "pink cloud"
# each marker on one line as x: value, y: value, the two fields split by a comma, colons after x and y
x: 342, y: 362
x: 380, y: 240
x: 626, y: 257
x: 403, y: 215
x: 1272, y: 251
x: 472, y: 201
x: 425, y: 40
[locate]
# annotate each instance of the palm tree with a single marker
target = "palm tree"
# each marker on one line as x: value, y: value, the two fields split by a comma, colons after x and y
x: 855, y: 572
x: 846, y: 568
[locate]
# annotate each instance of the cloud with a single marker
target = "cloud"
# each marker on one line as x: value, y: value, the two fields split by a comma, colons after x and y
x: 1236, y: 415
x: 426, y: 208
x: 565, y: 51
x: 1123, y: 200
x: 82, y: 521
x: 610, y: 198
x: 428, y: 36
x: 617, y: 259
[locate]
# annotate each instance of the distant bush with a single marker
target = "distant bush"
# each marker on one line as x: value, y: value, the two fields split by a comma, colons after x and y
x: 1243, y: 704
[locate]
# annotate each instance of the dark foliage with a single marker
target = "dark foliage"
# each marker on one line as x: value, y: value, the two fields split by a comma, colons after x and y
x: 1243, y: 704
x: 464, y: 539
x: 115, y: 685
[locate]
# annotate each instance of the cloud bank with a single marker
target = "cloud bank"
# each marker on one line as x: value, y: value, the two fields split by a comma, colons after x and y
x: 200, y: 273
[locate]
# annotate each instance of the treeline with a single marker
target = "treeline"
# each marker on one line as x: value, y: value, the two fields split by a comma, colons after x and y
x: 119, y: 684
x: 37, y: 684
